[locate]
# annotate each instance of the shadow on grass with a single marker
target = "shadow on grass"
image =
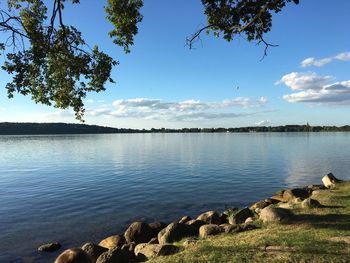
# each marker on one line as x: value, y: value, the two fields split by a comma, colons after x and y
x: 331, y: 221
x: 332, y: 206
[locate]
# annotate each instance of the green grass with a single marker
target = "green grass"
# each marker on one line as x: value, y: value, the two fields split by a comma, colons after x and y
x: 308, y: 238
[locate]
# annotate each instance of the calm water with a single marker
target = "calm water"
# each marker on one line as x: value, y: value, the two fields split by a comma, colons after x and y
x: 79, y: 188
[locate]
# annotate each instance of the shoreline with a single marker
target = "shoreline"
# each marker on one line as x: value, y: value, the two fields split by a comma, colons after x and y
x: 141, y: 241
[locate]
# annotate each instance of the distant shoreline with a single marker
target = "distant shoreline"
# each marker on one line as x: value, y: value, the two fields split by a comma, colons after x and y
x: 23, y: 128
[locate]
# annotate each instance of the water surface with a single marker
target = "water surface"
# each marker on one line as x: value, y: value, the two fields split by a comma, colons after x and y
x: 79, y: 188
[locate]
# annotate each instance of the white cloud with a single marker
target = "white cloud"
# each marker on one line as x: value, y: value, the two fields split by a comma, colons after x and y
x: 345, y: 56
x: 89, y: 101
x: 97, y: 112
x: 262, y: 123
x: 315, y: 62
x: 302, y: 81
x: 316, y: 89
x: 157, y: 109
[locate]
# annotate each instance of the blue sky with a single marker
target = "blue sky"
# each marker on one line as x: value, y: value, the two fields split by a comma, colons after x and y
x: 162, y: 83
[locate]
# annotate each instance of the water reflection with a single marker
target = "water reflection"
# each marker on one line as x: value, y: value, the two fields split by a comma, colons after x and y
x: 75, y: 188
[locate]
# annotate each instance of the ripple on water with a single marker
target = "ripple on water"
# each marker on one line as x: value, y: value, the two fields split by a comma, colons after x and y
x: 79, y: 188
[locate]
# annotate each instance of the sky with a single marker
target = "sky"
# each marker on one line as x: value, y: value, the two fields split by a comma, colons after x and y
x: 162, y: 83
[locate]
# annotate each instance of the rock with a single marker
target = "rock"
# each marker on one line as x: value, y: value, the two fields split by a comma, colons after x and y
x: 275, y: 215
x: 94, y: 251
x: 231, y: 211
x: 175, y: 232
x: 154, y: 250
x: 210, y: 230
x: 278, y: 195
x: 156, y: 227
x: 210, y: 217
x: 310, y: 203
x: 291, y: 194
x: 129, y: 247
x: 223, y: 218
x: 330, y: 180
x: 185, y: 219
x: 240, y: 216
x: 257, y: 211
x: 115, y: 255
x: 261, y: 204
x: 138, y: 232
x: 154, y: 240
x: 297, y: 200
x: 112, y: 242
x: 50, y: 247
x: 229, y: 229
x: 196, y: 223
x: 288, y: 205
x: 73, y: 255
x: 249, y: 220
x: 272, y: 201
x: 279, y: 198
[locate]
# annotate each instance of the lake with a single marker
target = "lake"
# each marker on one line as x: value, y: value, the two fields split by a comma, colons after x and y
x: 79, y: 188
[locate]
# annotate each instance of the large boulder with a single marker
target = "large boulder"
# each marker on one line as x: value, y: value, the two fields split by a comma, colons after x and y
x: 275, y: 215
x: 112, y: 242
x: 223, y: 218
x: 175, y: 232
x: 210, y: 230
x: 196, y: 223
x: 154, y: 250
x: 231, y: 211
x: 210, y: 217
x: 154, y: 240
x: 93, y: 250
x: 329, y: 180
x: 272, y: 201
x: 73, y: 255
x: 260, y: 205
x: 185, y: 219
x: 116, y: 255
x: 156, y: 226
x: 49, y: 247
x: 129, y: 248
x: 138, y: 232
x: 240, y: 216
x: 310, y: 203
x: 229, y: 229
x: 278, y: 196
x: 249, y: 220
x: 290, y: 194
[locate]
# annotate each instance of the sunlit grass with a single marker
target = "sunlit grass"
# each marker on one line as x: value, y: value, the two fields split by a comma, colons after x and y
x: 315, y: 235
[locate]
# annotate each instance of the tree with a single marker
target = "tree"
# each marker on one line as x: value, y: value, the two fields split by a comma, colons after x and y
x: 50, y: 61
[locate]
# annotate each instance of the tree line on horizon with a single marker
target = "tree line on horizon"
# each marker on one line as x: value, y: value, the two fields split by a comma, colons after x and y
x: 12, y: 128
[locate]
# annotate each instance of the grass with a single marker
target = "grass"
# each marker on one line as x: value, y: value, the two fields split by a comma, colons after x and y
x: 315, y: 235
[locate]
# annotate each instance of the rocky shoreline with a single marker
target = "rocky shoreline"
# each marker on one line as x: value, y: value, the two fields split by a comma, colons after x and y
x: 142, y: 241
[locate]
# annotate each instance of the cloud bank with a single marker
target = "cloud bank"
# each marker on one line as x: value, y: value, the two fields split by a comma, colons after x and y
x: 188, y: 110
x: 345, y: 56
x: 312, y: 88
